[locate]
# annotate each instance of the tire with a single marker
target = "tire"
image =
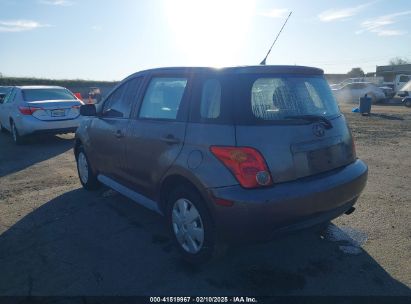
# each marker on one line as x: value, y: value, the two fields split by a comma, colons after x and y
x: 87, y: 177
x: 194, y: 235
x: 17, y: 138
x: 2, y: 129
x: 407, y: 103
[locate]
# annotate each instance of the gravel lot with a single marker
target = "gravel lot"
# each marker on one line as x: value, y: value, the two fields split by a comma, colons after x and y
x: 58, y: 239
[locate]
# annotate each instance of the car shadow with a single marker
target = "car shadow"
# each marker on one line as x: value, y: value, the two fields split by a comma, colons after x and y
x: 14, y: 158
x: 386, y: 116
x: 100, y: 243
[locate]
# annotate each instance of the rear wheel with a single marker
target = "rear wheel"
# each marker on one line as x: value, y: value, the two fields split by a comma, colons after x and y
x: 407, y: 102
x: 17, y: 138
x: 191, y: 226
x: 87, y: 177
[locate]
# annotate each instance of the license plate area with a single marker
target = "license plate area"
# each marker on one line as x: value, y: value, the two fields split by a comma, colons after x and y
x: 58, y: 113
x: 324, y: 159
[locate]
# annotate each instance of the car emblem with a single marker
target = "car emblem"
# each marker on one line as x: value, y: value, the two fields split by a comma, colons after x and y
x: 318, y: 130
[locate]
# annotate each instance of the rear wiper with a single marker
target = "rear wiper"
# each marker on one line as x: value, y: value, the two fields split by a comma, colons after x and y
x: 312, y: 118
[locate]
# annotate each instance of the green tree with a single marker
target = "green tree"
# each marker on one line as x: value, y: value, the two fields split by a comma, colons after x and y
x: 399, y: 61
x: 356, y: 72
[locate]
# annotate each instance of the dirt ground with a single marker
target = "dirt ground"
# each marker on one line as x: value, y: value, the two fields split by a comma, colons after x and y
x: 58, y: 239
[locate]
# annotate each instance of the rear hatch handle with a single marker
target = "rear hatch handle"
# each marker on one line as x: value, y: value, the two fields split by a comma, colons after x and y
x: 313, y: 118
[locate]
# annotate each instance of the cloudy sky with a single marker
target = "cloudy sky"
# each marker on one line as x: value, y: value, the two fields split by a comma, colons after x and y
x: 107, y: 40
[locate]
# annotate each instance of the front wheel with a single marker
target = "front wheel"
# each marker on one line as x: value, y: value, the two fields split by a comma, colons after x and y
x: 17, y: 138
x: 407, y: 102
x: 87, y: 177
x: 191, y: 226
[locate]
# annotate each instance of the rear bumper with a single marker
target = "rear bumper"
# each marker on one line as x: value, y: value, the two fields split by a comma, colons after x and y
x: 263, y: 213
x: 29, y: 125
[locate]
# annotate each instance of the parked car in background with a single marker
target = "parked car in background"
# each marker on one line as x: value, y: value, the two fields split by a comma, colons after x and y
x: 388, y: 91
x: 405, y: 93
x: 94, y: 95
x: 230, y: 154
x: 351, y: 92
x: 31, y: 110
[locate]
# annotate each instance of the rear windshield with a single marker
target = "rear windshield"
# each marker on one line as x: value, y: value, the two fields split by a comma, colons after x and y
x: 47, y: 94
x: 276, y: 97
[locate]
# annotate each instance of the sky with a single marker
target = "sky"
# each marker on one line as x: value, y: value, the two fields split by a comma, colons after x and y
x: 111, y: 39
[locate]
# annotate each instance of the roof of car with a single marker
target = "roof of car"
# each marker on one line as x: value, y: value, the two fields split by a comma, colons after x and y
x: 277, y: 69
x: 38, y: 87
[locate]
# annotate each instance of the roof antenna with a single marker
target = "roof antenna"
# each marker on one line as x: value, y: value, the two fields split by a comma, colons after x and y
x: 276, y: 38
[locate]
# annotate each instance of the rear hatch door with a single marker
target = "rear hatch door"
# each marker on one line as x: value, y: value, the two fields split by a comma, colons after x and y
x: 295, y: 123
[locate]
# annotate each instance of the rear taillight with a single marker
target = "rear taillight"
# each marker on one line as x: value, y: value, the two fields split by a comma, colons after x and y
x: 247, y: 165
x: 76, y: 107
x: 28, y: 110
x: 354, y: 151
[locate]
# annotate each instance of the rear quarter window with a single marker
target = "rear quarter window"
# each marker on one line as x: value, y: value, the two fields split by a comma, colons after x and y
x: 210, y: 104
x: 212, y: 99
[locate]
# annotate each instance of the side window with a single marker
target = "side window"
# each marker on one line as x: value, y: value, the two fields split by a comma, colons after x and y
x: 119, y: 103
x: 163, y: 98
x: 211, y: 99
x: 404, y: 78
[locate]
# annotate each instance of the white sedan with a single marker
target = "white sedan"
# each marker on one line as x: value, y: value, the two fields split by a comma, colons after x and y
x: 351, y: 92
x: 30, y: 110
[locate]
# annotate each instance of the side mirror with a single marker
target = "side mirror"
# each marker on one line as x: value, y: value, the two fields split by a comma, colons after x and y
x: 402, y: 93
x: 88, y: 110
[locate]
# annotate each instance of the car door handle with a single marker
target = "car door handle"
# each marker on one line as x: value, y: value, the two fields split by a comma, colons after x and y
x: 119, y: 134
x: 170, y: 139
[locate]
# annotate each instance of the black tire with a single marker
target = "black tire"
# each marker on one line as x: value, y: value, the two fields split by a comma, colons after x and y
x: 17, y: 138
x: 2, y: 129
x: 90, y: 183
x: 407, y: 103
x: 211, y: 248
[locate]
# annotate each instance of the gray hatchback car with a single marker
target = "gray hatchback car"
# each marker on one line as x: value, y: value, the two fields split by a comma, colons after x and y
x: 230, y: 154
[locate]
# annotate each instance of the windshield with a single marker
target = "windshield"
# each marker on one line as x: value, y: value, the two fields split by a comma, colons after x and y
x: 277, y: 98
x: 47, y: 94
